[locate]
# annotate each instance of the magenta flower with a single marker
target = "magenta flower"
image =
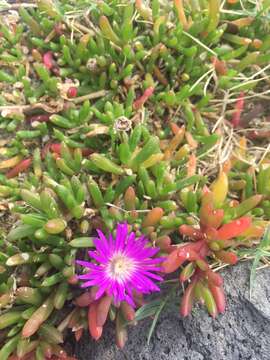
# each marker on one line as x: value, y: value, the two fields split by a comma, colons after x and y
x: 122, y: 265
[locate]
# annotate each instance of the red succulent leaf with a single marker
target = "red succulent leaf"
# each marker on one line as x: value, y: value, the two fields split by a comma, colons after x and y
x: 172, y: 262
x: 48, y: 60
x: 188, y: 298
x: 219, y: 65
x: 22, y: 166
x: 87, y: 297
x: 234, y: 228
x: 227, y: 257
x: 128, y: 311
x: 218, y: 295
x: 188, y: 254
x: 214, y: 278
x: 84, y: 299
x: 94, y: 330
x: 56, y: 148
x: 211, y: 234
x: 210, y: 217
x: 191, y: 232
x: 103, y: 308
x: 164, y: 242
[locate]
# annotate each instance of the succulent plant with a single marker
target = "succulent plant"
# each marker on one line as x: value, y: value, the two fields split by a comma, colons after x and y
x: 126, y: 127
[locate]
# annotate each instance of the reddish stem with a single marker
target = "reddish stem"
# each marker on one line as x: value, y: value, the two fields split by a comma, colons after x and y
x: 138, y: 103
x: 239, y: 107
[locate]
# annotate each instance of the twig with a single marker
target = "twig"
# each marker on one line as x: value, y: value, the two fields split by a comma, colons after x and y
x: 200, y: 79
x: 90, y: 96
x: 124, y: 210
x: 27, y: 108
x: 231, y: 101
x: 17, y: 6
x: 76, y: 25
x: 200, y: 43
x: 264, y: 154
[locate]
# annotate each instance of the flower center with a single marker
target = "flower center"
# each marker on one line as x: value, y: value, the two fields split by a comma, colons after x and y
x: 120, y: 267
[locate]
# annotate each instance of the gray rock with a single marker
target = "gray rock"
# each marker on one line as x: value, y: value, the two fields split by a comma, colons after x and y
x: 242, y: 333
